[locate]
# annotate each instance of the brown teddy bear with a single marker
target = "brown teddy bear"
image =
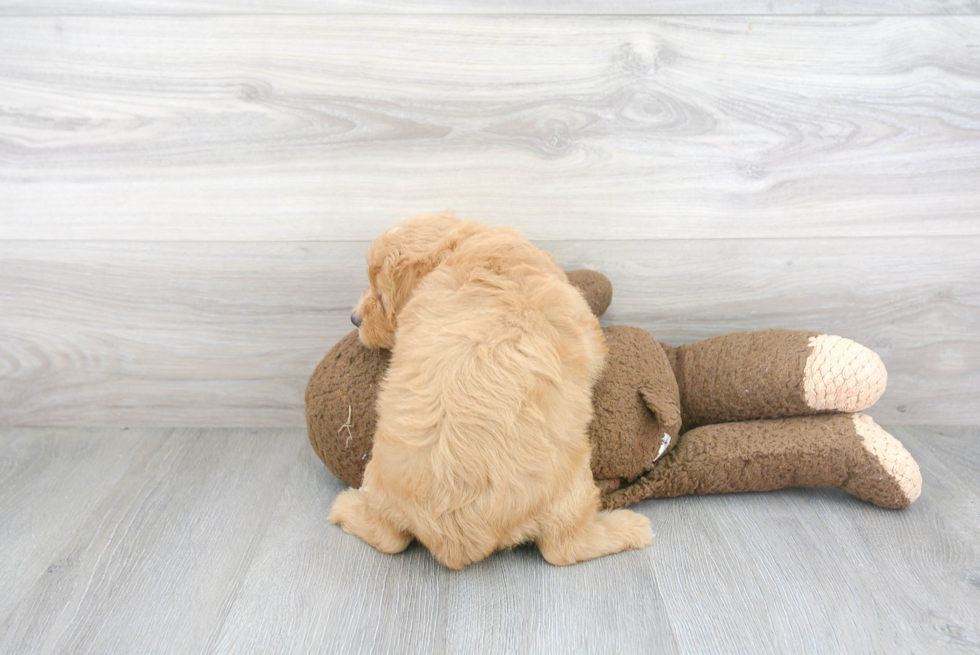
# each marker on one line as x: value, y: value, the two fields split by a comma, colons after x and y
x: 749, y: 411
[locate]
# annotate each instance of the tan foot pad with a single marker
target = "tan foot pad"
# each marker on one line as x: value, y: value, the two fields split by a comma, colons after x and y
x: 887, y: 476
x: 842, y: 375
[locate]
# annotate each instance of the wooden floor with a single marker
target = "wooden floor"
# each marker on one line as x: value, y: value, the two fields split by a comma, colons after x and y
x: 182, y: 540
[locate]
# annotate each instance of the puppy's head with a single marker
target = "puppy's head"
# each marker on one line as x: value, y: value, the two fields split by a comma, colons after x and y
x: 397, y: 262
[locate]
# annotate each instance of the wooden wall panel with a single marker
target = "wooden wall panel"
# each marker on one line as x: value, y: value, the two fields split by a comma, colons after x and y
x: 218, y: 334
x: 186, y: 196
x: 631, y: 7
x: 581, y: 127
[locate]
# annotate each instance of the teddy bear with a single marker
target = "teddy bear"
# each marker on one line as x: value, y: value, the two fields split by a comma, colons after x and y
x: 747, y: 411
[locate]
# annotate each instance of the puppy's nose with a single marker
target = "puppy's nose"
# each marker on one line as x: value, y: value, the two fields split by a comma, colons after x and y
x: 355, y: 319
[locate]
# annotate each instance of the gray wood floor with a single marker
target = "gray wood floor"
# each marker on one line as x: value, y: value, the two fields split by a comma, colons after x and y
x: 216, y: 540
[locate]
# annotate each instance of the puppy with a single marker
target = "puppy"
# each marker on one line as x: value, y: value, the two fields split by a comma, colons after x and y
x: 481, y: 441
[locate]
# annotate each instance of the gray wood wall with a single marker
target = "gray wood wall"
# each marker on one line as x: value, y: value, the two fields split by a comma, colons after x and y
x: 187, y: 189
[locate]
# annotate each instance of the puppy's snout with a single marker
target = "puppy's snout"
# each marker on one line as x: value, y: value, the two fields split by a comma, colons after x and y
x: 356, y: 320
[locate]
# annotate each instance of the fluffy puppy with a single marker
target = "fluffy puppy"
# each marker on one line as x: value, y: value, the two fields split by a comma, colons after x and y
x: 481, y: 441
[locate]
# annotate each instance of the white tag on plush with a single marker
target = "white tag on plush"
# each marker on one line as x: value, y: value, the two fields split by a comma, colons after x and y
x: 664, y: 444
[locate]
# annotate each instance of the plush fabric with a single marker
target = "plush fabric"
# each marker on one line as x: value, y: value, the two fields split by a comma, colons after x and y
x: 750, y: 411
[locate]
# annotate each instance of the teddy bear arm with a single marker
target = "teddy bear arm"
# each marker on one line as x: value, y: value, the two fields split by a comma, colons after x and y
x: 636, y: 407
x: 661, y: 396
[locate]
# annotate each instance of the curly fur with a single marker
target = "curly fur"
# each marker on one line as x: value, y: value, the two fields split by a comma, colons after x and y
x: 481, y: 441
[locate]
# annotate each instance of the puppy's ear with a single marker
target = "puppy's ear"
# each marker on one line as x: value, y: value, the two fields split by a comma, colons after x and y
x: 415, y: 267
x: 398, y: 274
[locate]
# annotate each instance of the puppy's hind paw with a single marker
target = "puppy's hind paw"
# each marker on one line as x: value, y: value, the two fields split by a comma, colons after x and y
x: 606, y: 533
x: 627, y: 529
x: 346, y: 506
x: 351, y: 512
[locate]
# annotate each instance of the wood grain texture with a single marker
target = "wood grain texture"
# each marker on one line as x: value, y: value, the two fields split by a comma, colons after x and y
x: 217, y: 541
x: 147, y: 333
x: 171, y: 539
x: 355, y: 599
x: 228, y: 333
x: 632, y: 7
x: 50, y: 482
x: 939, y: 545
x: 572, y: 127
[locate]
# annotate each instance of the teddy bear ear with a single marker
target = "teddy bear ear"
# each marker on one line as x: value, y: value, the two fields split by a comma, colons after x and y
x: 667, y: 414
x: 595, y: 287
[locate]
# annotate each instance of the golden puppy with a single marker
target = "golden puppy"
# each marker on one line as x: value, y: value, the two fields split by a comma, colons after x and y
x: 481, y: 441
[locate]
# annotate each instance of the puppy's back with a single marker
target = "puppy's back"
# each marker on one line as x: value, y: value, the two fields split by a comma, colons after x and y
x: 483, y: 411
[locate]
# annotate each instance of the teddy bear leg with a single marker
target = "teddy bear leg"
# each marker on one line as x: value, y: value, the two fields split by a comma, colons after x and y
x: 846, y: 451
x: 774, y: 374
x: 354, y: 514
x: 574, y: 530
